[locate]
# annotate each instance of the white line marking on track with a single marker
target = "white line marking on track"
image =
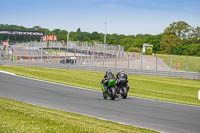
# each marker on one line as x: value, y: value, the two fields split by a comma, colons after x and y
x: 100, y: 91
x: 165, y: 101
x: 49, y: 107
x: 96, y: 90
x: 56, y: 83
x: 7, y: 73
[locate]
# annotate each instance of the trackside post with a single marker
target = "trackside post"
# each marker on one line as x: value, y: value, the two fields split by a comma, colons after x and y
x: 199, y: 95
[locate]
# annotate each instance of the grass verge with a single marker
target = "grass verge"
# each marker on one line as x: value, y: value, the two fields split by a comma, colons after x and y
x: 18, y: 117
x: 161, y: 88
x: 193, y: 62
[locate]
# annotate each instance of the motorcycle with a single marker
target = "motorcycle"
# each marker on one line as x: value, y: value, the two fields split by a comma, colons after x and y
x: 111, y: 90
x: 122, y: 88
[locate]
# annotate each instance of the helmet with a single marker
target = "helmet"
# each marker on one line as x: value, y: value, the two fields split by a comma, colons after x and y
x: 108, y: 71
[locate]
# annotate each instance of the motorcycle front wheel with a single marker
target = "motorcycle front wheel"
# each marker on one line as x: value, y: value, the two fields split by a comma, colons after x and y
x: 113, y: 93
x: 104, y: 95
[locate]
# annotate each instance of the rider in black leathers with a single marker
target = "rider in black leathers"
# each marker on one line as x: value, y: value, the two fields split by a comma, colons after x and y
x: 122, y: 76
x: 109, y: 75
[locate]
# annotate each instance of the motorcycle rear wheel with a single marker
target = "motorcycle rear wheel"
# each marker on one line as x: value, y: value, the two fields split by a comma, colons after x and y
x: 124, y: 92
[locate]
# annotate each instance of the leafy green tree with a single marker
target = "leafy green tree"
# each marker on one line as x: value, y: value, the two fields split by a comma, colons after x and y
x: 82, y: 35
x: 176, y: 34
x: 95, y: 36
x: 73, y: 36
x: 195, y: 36
x: 37, y: 28
x: 178, y: 38
x: 86, y: 39
x: 126, y: 42
x: 138, y: 42
x: 169, y: 42
x: 181, y: 29
x: 113, y: 39
x: 78, y: 30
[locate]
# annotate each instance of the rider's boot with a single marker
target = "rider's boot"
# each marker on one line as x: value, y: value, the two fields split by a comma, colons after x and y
x: 105, y: 89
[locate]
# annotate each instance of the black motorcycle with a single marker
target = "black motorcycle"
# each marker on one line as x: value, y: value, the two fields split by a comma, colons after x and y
x: 122, y: 88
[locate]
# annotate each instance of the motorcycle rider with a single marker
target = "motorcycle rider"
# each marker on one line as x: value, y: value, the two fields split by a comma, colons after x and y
x: 109, y: 75
x: 122, y: 76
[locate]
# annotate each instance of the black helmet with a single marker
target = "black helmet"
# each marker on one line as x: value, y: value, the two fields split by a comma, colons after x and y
x: 108, y: 71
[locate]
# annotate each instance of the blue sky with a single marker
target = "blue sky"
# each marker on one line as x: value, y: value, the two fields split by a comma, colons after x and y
x: 122, y: 16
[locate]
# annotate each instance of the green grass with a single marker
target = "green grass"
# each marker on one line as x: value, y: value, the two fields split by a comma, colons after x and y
x: 193, y: 62
x: 18, y: 117
x: 161, y: 88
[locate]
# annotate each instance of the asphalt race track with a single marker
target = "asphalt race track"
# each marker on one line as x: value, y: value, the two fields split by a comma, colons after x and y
x: 161, y: 116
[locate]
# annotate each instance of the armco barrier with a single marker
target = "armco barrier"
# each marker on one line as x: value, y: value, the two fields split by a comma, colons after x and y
x: 178, y: 74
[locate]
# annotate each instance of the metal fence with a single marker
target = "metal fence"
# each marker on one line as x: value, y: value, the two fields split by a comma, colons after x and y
x: 97, y: 57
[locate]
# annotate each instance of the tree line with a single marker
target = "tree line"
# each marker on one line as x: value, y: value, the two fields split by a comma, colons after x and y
x: 178, y: 38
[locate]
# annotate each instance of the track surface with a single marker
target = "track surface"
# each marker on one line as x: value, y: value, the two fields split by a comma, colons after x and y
x: 161, y: 116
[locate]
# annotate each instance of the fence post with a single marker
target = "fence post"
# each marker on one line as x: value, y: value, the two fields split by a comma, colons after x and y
x: 56, y: 56
x: 116, y: 63
x: 52, y: 56
x: 38, y: 56
x: 92, y: 58
x: 75, y: 50
x: 198, y: 75
x: 87, y: 52
x: 186, y: 64
x: 12, y: 54
x: 128, y: 61
x: 171, y: 62
x: 67, y: 49
x: 65, y: 55
x: 67, y: 45
x: 81, y: 56
x: 42, y: 54
x: 103, y: 58
x: 29, y: 52
x: 156, y: 63
x: 141, y: 63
